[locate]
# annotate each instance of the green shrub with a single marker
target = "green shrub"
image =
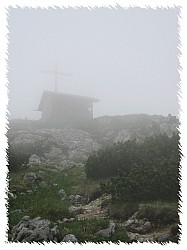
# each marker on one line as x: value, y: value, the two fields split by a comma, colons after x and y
x: 153, y: 173
x: 122, y: 211
x: 159, y: 213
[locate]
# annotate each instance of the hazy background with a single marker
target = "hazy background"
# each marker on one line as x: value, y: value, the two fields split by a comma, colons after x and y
x: 125, y: 58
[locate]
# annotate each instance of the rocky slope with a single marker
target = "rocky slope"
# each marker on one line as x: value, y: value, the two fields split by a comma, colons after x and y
x: 77, y: 143
x: 66, y: 148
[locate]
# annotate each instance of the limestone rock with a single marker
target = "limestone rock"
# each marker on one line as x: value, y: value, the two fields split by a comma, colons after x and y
x: 54, y: 143
x: 68, y: 220
x: 76, y: 198
x: 70, y: 238
x: 94, y: 209
x: 74, y: 209
x: 122, y: 136
x: 108, y: 231
x: 29, y: 191
x: 34, y: 159
x: 135, y: 225
x: 34, y: 230
x: 160, y: 237
x: 163, y: 237
x: 62, y: 194
x: 43, y: 184
x: 30, y: 178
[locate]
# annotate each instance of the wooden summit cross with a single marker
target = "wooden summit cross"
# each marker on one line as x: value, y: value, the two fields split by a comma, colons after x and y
x: 56, y: 74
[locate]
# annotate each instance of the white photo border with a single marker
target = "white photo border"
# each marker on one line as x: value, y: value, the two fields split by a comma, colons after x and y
x: 182, y: 94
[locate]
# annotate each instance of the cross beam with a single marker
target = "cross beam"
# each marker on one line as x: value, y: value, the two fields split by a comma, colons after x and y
x: 56, y: 74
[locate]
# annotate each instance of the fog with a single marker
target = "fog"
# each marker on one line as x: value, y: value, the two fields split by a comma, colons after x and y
x: 128, y: 59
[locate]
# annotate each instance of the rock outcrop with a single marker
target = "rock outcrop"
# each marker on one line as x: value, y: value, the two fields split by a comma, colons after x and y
x: 30, y: 178
x: 142, y: 230
x: 94, y: 208
x: 71, y: 143
x: 135, y: 225
x: 35, y: 159
x: 107, y: 232
x: 70, y: 238
x: 62, y: 194
x: 53, y: 144
x: 34, y: 230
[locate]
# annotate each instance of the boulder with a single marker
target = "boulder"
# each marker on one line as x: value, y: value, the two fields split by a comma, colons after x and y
x: 34, y: 159
x: 70, y: 238
x: 71, y: 197
x: 147, y: 227
x: 135, y: 225
x: 43, y: 184
x: 34, y: 230
x: 62, y: 194
x: 76, y: 199
x: 94, y: 209
x: 163, y: 237
x: 68, y: 220
x: 29, y: 191
x: 74, y: 209
x: 108, y: 231
x: 30, y: 178
x: 133, y: 236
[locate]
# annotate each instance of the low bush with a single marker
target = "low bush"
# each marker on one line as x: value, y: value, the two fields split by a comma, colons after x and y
x: 122, y: 211
x: 159, y: 213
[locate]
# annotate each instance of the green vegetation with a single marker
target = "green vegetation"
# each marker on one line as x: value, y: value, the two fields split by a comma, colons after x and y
x: 20, y: 154
x: 159, y: 213
x: 86, y: 230
x: 141, y: 177
x: 46, y: 203
x: 145, y: 171
x: 122, y: 211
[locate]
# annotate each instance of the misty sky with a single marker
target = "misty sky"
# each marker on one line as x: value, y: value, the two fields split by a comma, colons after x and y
x: 126, y: 58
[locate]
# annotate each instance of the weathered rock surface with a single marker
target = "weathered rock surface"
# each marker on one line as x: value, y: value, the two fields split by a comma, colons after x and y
x: 161, y: 237
x: 35, y: 159
x: 54, y: 143
x: 122, y: 136
x: 94, y: 209
x: 138, y: 226
x: 141, y: 230
x: 70, y: 238
x: 107, y: 232
x: 62, y: 194
x: 43, y: 184
x: 75, y: 209
x: 30, y: 178
x: 34, y: 230
x: 76, y: 198
x: 69, y: 143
